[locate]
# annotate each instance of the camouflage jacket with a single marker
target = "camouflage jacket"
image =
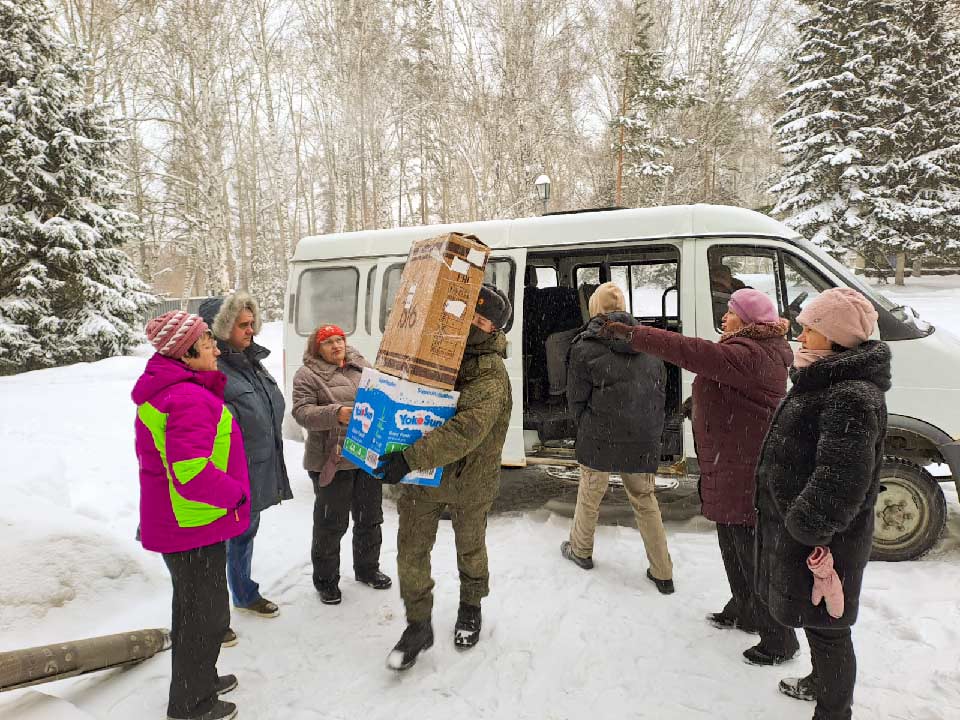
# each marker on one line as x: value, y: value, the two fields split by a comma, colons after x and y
x: 469, y: 445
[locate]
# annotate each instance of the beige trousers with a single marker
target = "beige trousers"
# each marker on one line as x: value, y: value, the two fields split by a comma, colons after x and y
x: 640, y: 489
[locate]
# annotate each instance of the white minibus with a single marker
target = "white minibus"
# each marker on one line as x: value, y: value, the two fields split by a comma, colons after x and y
x: 665, y: 259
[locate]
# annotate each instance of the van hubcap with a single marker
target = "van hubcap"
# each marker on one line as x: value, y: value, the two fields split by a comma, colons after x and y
x: 899, y: 510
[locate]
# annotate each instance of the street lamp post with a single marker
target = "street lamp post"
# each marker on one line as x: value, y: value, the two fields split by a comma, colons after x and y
x: 542, y: 184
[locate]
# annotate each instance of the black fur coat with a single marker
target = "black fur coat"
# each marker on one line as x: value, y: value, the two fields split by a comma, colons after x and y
x: 817, y: 482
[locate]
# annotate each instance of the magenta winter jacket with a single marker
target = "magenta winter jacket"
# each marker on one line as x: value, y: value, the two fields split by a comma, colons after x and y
x: 193, y: 471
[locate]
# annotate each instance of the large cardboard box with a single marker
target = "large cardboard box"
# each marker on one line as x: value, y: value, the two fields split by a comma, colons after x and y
x: 388, y: 415
x: 428, y: 325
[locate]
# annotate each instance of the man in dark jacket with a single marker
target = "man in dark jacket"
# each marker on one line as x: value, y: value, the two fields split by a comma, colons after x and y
x: 616, y: 397
x: 740, y: 381
x: 256, y: 402
x: 468, y: 447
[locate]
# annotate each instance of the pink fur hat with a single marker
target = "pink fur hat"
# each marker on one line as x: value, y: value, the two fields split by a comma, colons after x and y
x: 842, y: 315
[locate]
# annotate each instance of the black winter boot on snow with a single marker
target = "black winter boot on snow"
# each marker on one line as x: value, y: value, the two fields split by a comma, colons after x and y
x: 329, y: 591
x: 415, y: 639
x: 665, y: 587
x: 466, y: 633
x: 800, y: 688
x: 728, y: 622
x: 226, y: 683
x: 222, y: 710
x: 759, y: 655
x: 376, y: 579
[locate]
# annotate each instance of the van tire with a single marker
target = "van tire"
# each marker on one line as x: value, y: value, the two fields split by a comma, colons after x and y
x: 910, y: 512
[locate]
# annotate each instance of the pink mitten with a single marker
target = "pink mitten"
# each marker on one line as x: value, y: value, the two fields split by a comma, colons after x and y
x: 826, y: 582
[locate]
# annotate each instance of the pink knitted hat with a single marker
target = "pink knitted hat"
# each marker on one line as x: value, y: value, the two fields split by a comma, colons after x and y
x: 175, y: 332
x: 753, y: 306
x: 842, y: 315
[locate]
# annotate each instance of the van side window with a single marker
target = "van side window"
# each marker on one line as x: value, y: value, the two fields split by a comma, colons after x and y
x: 790, y: 281
x: 734, y: 267
x: 327, y: 295
x: 647, y: 285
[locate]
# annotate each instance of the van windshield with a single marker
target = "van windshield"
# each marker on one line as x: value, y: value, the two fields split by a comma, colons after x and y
x: 904, y: 313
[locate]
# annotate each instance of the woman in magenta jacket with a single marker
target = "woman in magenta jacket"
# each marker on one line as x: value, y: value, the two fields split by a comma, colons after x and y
x: 193, y: 497
x: 740, y: 381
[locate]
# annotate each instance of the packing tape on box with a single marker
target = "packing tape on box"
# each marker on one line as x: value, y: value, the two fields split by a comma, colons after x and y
x: 455, y: 308
x: 458, y: 265
x: 476, y: 257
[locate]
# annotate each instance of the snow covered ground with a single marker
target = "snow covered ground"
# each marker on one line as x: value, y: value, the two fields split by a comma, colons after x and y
x: 557, y: 642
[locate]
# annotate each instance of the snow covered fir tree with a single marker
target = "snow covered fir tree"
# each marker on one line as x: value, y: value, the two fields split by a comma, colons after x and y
x: 641, y: 143
x: 68, y: 292
x: 871, y: 136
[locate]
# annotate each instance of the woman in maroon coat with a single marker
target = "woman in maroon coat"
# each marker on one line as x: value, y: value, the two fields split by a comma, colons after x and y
x: 740, y: 381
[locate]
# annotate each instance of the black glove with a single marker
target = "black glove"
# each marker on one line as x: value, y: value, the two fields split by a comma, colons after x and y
x: 687, y: 408
x: 395, y: 468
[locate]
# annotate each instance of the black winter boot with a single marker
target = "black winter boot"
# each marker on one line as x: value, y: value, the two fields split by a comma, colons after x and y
x: 329, y: 591
x: 226, y: 683
x: 375, y: 579
x: 800, y: 688
x: 664, y: 586
x: 415, y: 639
x: 759, y: 655
x: 466, y: 633
x: 222, y: 710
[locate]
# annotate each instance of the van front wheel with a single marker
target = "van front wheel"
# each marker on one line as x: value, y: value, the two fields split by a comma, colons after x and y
x: 909, y: 514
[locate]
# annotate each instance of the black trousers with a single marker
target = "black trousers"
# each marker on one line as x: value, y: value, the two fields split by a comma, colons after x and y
x: 351, y: 491
x: 201, y: 615
x: 736, y: 549
x: 834, y: 672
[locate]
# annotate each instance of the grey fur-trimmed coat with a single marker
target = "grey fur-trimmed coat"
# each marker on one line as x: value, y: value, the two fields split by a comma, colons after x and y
x: 817, y: 481
x: 254, y: 398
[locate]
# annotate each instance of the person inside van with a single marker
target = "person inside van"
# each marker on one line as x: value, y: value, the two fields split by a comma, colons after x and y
x: 468, y: 448
x: 570, y: 317
x: 722, y: 285
x: 323, y: 393
x: 616, y: 397
x: 740, y: 381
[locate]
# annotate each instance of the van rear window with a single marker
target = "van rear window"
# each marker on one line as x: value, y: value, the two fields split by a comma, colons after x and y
x: 327, y: 296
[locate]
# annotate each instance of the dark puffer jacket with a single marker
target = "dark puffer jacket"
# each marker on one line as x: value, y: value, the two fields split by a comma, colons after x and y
x: 740, y: 381
x: 616, y: 397
x: 818, y: 480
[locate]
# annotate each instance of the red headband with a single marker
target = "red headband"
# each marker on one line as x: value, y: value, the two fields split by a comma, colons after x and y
x: 325, y: 332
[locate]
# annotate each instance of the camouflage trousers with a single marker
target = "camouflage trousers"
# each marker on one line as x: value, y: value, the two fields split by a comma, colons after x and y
x: 419, y: 519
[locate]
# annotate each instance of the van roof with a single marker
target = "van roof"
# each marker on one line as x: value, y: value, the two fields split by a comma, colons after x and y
x: 673, y: 221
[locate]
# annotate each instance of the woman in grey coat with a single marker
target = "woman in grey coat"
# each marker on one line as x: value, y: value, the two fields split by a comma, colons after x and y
x: 323, y: 393
x: 256, y: 401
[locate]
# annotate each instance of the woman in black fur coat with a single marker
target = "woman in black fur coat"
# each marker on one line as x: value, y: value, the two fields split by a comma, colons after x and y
x: 817, y: 481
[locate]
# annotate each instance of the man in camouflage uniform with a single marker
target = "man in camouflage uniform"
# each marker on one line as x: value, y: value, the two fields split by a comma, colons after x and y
x: 468, y: 447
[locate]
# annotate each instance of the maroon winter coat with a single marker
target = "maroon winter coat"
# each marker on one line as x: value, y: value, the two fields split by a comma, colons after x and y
x: 740, y: 381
